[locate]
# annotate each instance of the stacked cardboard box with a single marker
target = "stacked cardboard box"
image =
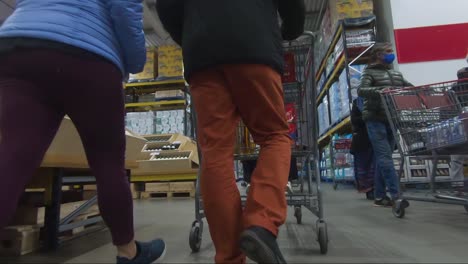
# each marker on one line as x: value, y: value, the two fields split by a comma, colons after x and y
x: 341, y: 9
x: 171, y: 63
x: 151, y: 67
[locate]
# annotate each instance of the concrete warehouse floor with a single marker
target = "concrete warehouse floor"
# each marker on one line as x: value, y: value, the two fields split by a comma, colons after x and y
x: 359, y: 233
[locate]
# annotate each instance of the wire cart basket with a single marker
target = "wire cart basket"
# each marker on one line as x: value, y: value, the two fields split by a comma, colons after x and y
x: 342, y: 160
x: 306, y: 191
x: 429, y: 122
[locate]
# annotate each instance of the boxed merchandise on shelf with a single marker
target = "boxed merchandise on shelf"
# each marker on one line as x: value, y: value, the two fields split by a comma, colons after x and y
x: 339, y: 99
x: 359, y: 37
x: 323, y: 115
x: 355, y: 73
x: 144, y: 98
x: 321, y: 83
x: 170, y: 61
x: 168, y: 95
x: 335, y: 103
x: 150, y: 70
x: 323, y: 39
x: 343, y: 89
x: 170, y: 122
x: 339, y: 48
x: 141, y: 123
x: 341, y: 9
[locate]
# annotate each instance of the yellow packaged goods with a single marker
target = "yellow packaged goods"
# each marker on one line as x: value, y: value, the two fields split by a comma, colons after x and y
x: 151, y: 67
x: 342, y: 9
x: 170, y: 61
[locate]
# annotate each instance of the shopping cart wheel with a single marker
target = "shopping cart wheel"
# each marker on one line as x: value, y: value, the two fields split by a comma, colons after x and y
x: 399, y: 213
x: 298, y: 214
x: 399, y: 209
x: 322, y: 237
x: 195, y: 237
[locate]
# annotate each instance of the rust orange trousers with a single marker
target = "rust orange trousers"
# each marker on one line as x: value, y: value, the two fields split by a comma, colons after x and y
x: 222, y: 96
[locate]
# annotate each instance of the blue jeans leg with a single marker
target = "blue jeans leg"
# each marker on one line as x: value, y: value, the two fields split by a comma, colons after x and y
x: 382, y: 141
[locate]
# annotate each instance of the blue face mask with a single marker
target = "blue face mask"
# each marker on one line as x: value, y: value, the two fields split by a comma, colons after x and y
x: 389, y: 58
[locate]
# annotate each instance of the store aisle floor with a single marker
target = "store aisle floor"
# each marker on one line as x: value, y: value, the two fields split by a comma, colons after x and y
x: 359, y: 233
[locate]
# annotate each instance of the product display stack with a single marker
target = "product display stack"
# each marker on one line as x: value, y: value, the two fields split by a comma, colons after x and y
x: 342, y: 160
x: 347, y: 34
x: 157, y: 109
x: 156, y: 98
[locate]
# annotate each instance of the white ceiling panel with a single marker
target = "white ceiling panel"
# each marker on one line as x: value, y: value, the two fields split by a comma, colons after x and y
x: 6, y: 8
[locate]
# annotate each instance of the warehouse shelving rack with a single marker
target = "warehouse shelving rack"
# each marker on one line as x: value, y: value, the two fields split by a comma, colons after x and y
x: 135, y: 89
x: 345, y: 59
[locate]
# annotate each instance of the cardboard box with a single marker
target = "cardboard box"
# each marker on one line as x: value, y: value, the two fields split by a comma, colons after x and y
x: 170, y: 60
x: 151, y: 67
x: 19, y: 240
x: 67, y: 150
x: 341, y: 9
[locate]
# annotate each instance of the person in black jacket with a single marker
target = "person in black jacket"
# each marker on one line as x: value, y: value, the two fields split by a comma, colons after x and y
x: 233, y: 61
x: 361, y: 149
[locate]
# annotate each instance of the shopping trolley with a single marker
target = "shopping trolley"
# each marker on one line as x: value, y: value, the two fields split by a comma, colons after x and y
x: 429, y: 122
x: 299, y: 95
x: 342, y: 161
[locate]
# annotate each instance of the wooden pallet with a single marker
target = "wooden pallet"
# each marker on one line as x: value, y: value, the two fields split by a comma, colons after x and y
x: 93, y: 213
x: 19, y: 240
x: 91, y: 190
x: 167, y: 190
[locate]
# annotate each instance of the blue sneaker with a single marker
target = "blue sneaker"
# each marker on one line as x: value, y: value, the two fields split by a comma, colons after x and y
x: 148, y: 252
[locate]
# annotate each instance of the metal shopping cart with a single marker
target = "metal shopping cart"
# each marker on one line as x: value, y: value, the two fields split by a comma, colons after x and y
x: 430, y: 122
x: 342, y: 161
x: 306, y: 192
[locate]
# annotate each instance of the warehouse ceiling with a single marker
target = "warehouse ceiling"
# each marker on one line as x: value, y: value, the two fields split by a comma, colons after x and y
x: 156, y: 35
x: 6, y: 8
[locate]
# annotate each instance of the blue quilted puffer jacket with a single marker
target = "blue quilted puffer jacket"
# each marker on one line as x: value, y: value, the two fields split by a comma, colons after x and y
x: 112, y: 29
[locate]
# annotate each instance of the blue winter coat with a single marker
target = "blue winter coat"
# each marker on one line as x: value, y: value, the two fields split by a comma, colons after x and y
x: 112, y: 29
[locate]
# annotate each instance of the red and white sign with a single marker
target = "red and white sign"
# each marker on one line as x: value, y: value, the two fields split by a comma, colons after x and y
x: 431, y: 38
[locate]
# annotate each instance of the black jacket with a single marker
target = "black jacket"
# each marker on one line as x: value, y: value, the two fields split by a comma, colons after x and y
x: 361, y: 142
x: 216, y: 32
x: 373, y: 80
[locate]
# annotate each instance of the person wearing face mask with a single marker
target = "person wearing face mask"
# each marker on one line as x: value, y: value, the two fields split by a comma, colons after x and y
x: 378, y: 76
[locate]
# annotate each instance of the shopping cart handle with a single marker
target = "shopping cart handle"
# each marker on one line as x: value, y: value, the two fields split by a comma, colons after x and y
x: 309, y: 34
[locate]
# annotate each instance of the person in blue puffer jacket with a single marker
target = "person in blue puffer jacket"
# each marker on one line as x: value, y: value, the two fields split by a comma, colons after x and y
x: 69, y: 57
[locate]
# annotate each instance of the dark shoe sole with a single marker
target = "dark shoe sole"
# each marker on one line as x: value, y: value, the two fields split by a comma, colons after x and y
x: 255, y: 249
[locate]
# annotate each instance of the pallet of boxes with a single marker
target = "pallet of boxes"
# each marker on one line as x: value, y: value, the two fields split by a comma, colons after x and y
x: 165, y: 62
x: 25, y: 230
x: 168, y: 167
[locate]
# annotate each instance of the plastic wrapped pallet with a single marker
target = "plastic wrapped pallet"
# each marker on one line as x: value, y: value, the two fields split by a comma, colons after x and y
x: 141, y: 123
x: 170, y: 122
x: 335, y: 103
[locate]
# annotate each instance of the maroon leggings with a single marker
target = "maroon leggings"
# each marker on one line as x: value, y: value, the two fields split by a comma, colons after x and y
x: 37, y: 88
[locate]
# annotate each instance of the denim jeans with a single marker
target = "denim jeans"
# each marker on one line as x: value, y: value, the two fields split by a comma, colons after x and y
x: 383, y: 143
